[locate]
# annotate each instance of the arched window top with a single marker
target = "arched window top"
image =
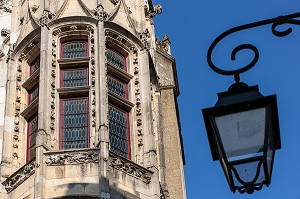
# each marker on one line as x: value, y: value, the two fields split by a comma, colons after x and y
x: 116, y: 59
x: 74, y: 49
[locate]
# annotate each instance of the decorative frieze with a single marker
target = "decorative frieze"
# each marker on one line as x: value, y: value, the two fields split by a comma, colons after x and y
x: 19, y: 176
x: 72, y: 157
x: 130, y: 168
x: 53, y: 82
x: 137, y: 94
x: 116, y: 38
x: 144, y: 36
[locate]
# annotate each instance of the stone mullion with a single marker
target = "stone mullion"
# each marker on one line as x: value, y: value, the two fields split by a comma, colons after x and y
x: 149, y: 156
x: 9, y: 134
x: 103, y: 113
x: 43, y: 115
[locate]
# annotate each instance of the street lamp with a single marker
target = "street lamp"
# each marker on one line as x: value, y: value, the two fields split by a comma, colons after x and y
x: 243, y: 127
x: 243, y: 133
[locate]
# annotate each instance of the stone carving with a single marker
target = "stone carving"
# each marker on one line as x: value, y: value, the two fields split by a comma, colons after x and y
x: 156, y: 10
x: 130, y: 168
x: 93, y: 77
x: 144, y: 36
x: 5, y: 32
x: 20, y: 176
x: 46, y: 17
x: 53, y: 82
x: 99, y: 13
x: 115, y: 2
x: 163, y: 45
x: 73, y: 27
x: 5, y: 6
x: 34, y: 8
x: 56, y: 31
x: 77, y: 157
x: 138, y: 108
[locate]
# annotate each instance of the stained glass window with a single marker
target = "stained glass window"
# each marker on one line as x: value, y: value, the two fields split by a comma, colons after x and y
x: 32, y: 131
x: 74, y: 49
x: 34, y: 93
x: 35, y: 65
x: 115, y: 59
x: 117, y: 87
x: 118, y: 131
x: 74, y: 123
x: 74, y: 77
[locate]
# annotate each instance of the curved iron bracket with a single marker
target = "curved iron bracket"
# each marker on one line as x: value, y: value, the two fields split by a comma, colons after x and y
x: 277, y: 21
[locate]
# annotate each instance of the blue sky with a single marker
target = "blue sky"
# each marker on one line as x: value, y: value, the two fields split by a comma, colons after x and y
x: 192, y: 26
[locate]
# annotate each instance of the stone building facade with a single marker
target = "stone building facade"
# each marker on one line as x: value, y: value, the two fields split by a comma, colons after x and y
x: 88, y: 102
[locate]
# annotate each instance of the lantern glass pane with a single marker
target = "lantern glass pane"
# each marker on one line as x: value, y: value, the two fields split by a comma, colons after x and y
x: 242, y: 133
x: 247, y: 173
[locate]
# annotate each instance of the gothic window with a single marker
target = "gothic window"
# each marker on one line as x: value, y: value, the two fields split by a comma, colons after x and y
x: 74, y: 77
x: 115, y: 59
x: 74, y: 123
x: 30, y: 113
x: 74, y: 95
x: 74, y: 49
x: 119, y: 131
x: 31, y: 137
x: 118, y: 87
x: 35, y: 65
x: 118, y: 111
x: 33, y: 93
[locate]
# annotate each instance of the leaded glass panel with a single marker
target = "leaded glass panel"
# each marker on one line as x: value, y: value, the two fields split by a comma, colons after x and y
x: 115, y: 59
x: 34, y: 93
x: 117, y: 87
x: 75, y: 49
x: 74, y: 123
x: 74, y: 78
x: 32, y: 131
x: 118, y: 131
x: 35, y: 65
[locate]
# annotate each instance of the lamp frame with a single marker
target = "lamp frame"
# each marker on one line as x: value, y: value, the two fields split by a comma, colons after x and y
x: 216, y: 145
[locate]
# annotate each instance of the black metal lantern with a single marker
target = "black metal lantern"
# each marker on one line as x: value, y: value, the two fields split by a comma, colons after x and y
x: 243, y: 133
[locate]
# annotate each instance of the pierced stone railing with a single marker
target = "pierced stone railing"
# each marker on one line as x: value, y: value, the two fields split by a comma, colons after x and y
x: 129, y: 167
x: 80, y: 156
x: 19, y: 176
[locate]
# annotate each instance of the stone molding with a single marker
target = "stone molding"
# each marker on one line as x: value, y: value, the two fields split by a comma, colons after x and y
x: 82, y: 156
x: 19, y: 176
x: 130, y: 168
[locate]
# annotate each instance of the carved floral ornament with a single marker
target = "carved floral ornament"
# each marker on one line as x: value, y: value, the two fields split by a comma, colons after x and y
x: 20, y: 176
x: 130, y: 168
x: 75, y: 157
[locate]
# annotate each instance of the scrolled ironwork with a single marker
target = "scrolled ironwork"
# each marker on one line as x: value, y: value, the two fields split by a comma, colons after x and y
x: 277, y: 21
